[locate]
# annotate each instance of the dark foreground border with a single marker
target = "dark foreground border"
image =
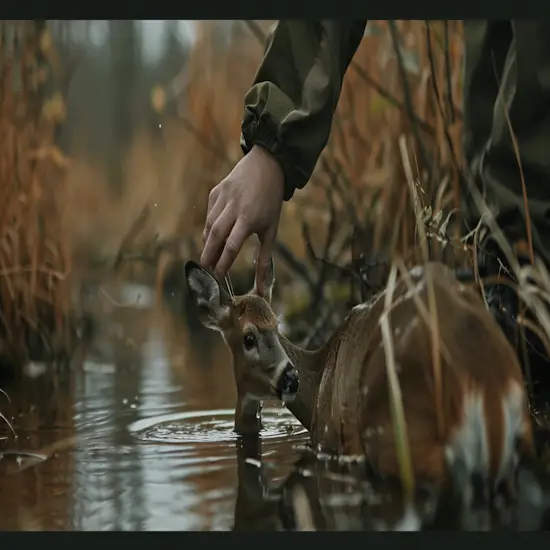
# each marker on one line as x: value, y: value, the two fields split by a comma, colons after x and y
x: 262, y: 9
x: 265, y: 541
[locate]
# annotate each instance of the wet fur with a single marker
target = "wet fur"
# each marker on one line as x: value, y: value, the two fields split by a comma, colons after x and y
x: 343, y: 398
x: 486, y: 419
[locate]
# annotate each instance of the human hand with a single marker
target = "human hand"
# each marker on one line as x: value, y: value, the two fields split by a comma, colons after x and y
x: 247, y: 201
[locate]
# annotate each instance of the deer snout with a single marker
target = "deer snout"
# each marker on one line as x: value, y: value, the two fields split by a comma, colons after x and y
x: 287, y: 383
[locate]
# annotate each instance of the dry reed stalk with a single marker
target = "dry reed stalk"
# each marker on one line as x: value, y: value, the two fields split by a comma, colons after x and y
x: 394, y: 389
x: 33, y: 256
x: 432, y: 306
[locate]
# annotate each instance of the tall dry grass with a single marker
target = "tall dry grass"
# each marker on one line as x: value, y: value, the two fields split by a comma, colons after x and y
x: 381, y: 103
x: 34, y: 261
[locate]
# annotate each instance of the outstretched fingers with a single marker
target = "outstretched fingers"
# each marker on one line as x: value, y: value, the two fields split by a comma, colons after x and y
x: 217, y: 237
x: 233, y: 245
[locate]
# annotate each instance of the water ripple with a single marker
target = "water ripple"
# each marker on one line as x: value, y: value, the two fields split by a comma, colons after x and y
x: 211, y: 426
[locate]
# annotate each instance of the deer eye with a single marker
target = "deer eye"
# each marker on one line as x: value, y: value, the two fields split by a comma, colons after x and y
x: 249, y: 341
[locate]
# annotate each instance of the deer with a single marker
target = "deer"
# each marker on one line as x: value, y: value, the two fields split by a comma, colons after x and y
x: 339, y: 392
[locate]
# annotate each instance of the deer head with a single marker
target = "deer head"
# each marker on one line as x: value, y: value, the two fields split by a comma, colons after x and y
x: 249, y: 327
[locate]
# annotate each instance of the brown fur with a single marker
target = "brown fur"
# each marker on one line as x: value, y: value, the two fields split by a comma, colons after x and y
x: 343, y: 397
x: 352, y: 410
x: 252, y: 309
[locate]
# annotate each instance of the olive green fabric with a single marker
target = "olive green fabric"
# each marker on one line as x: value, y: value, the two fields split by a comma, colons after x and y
x: 290, y: 106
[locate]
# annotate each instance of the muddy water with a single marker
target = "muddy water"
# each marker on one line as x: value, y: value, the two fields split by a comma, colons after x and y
x: 138, y: 435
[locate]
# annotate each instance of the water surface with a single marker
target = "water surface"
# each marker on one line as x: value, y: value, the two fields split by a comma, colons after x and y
x: 138, y: 435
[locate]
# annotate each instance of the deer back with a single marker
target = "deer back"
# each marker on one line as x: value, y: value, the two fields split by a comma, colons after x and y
x: 481, y: 380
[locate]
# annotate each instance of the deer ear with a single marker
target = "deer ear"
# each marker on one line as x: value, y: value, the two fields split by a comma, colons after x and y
x: 209, y: 297
x: 264, y: 288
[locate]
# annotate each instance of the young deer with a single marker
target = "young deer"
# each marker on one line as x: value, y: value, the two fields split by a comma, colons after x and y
x: 340, y: 392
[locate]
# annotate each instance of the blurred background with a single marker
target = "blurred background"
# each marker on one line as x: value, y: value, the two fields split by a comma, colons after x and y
x: 113, y: 134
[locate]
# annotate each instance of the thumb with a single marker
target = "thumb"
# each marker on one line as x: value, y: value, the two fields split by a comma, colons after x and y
x: 263, y: 259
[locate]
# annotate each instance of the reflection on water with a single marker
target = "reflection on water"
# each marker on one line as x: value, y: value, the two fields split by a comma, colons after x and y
x: 139, y: 436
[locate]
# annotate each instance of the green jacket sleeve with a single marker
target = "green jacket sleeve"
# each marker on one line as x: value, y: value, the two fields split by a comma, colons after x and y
x: 290, y: 107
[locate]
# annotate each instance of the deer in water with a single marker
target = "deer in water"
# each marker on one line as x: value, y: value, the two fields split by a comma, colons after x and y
x: 340, y: 391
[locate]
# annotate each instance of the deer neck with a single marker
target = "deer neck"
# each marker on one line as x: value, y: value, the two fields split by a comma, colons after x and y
x: 310, y: 366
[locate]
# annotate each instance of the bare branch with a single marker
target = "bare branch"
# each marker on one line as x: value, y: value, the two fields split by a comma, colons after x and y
x: 450, y: 101
x: 409, y: 109
x: 295, y: 265
x: 390, y: 98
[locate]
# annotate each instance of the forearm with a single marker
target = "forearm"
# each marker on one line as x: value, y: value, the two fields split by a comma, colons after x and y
x: 291, y: 104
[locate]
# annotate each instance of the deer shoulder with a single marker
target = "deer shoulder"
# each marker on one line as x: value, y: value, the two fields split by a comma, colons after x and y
x: 484, y: 416
x: 460, y: 381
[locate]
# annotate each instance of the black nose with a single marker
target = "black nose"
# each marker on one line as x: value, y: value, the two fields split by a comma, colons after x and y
x: 288, y: 383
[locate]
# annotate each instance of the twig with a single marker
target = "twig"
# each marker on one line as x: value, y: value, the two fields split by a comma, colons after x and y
x: 434, y: 325
x: 450, y: 101
x: 334, y: 174
x: 409, y: 109
x: 318, y: 294
x: 204, y: 141
x: 396, y: 399
x: 345, y: 270
x: 388, y: 96
x: 520, y: 167
x: 294, y: 264
x: 316, y: 329
x: 448, y: 139
x: 135, y: 229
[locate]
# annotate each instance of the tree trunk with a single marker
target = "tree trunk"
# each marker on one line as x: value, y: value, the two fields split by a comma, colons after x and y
x: 123, y: 64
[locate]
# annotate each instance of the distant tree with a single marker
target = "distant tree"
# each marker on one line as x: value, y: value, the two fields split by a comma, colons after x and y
x: 175, y: 53
x: 171, y: 65
x: 123, y: 46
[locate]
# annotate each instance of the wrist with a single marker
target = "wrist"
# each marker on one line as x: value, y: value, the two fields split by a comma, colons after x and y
x: 272, y: 164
